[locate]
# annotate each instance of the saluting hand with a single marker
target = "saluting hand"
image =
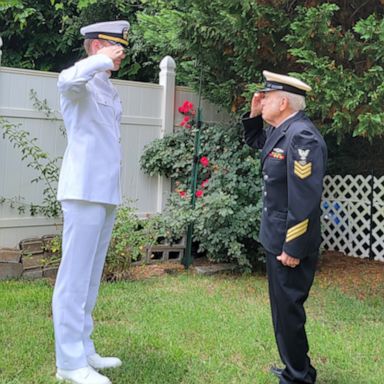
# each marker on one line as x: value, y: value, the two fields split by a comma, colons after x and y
x: 114, y: 52
x: 256, y: 104
x: 288, y: 261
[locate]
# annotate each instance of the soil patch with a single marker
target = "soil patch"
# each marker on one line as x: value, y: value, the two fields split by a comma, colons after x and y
x: 359, y: 277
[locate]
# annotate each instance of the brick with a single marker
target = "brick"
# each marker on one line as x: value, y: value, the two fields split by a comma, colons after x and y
x: 9, y: 255
x: 10, y: 270
x: 32, y: 246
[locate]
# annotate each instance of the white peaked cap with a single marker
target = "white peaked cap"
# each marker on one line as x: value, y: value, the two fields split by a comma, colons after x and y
x: 116, y: 31
x: 277, y: 82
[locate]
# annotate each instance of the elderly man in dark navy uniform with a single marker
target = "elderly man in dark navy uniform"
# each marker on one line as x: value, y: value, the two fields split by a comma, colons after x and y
x: 293, y: 161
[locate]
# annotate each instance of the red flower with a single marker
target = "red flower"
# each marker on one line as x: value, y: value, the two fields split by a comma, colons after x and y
x: 204, y: 183
x: 185, y: 121
x: 187, y: 107
x: 199, y: 193
x: 182, y: 194
x: 204, y: 161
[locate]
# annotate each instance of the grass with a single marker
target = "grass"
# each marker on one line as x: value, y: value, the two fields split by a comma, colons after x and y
x: 189, y: 329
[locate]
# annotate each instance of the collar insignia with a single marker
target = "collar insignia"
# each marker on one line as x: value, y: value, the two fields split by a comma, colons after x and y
x: 125, y: 34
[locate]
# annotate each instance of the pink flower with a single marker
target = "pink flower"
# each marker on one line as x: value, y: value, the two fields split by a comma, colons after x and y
x: 199, y: 193
x: 204, y: 183
x: 204, y: 161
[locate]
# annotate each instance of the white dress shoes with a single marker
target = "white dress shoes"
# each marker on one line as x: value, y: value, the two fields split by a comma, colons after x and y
x: 98, y: 362
x: 86, y: 375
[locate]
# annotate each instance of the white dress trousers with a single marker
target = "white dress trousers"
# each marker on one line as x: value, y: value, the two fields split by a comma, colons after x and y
x: 86, y: 235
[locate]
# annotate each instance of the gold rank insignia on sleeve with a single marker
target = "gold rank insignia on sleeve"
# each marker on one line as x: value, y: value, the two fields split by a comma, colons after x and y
x: 302, y: 168
x: 297, y: 230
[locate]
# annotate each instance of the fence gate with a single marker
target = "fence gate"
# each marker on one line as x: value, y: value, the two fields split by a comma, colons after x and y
x: 353, y: 215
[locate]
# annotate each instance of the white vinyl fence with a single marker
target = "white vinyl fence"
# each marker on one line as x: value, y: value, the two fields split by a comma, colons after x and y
x: 353, y: 215
x: 149, y: 112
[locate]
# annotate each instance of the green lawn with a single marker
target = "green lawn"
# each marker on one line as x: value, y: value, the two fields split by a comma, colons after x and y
x: 190, y: 329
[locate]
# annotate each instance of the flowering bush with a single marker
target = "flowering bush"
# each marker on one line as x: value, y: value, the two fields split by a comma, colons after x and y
x: 226, y: 215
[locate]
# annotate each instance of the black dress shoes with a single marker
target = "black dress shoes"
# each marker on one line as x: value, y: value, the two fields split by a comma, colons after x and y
x: 276, y: 371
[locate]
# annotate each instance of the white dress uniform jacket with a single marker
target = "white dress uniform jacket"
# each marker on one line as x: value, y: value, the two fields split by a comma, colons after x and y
x: 91, y: 111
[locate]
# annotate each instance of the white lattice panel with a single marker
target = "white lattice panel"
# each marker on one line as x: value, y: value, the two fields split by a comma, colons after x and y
x: 359, y: 224
x: 378, y: 231
x: 347, y: 187
x: 378, y: 196
x: 335, y: 225
x: 352, y: 222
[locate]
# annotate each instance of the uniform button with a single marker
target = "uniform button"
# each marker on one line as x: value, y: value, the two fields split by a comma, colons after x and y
x: 265, y: 177
x: 265, y: 193
x: 265, y: 209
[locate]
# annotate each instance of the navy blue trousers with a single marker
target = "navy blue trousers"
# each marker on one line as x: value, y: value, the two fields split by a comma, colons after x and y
x: 288, y: 291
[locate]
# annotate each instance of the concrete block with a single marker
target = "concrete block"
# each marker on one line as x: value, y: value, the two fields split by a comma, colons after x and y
x: 214, y: 268
x: 33, y: 261
x: 47, y: 240
x: 10, y: 270
x: 159, y: 253
x: 10, y: 255
x: 50, y: 272
x: 33, y: 273
x: 32, y: 246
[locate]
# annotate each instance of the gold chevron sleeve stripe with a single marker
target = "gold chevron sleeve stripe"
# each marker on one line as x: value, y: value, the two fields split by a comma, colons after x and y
x: 297, y: 230
x: 303, y: 175
x: 302, y: 171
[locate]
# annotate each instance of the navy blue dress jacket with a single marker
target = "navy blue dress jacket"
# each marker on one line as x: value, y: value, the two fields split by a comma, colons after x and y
x: 293, y: 158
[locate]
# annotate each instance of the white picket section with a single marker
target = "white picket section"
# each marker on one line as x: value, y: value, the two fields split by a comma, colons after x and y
x: 352, y: 221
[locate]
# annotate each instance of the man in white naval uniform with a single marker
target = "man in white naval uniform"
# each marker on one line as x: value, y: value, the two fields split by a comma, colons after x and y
x: 89, y: 191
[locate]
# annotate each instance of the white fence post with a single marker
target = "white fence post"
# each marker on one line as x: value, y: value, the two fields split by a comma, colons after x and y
x: 1, y: 44
x: 167, y: 81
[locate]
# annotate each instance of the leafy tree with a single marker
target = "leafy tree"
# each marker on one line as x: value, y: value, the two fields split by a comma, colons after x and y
x: 345, y: 68
x: 225, y: 40
x: 335, y: 46
x: 44, y: 34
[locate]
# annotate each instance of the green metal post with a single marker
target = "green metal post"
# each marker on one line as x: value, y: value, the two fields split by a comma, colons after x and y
x: 187, y: 259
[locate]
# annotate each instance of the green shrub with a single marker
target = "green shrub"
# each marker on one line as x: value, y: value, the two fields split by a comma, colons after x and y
x: 130, y: 238
x: 226, y: 215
